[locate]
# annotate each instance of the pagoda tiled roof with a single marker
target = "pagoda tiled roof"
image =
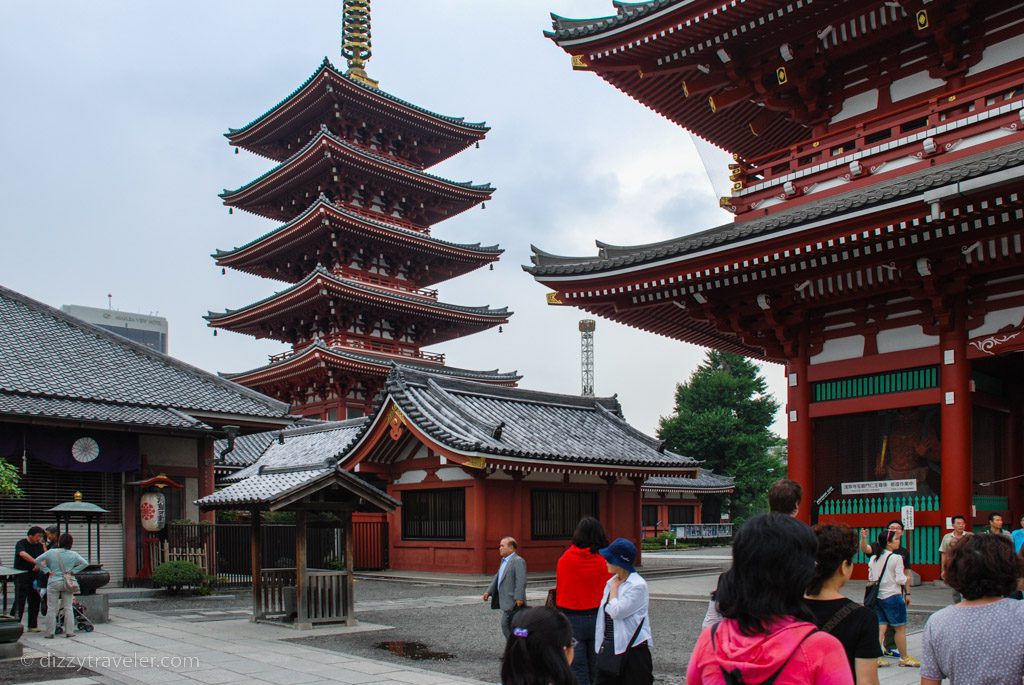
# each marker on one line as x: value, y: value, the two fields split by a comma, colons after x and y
x: 399, y: 233
x: 307, y: 457
x: 326, y: 136
x: 707, y: 481
x: 613, y: 258
x: 326, y: 65
x: 322, y: 275
x: 248, y: 448
x: 381, y: 364
x: 53, y: 365
x: 518, y: 425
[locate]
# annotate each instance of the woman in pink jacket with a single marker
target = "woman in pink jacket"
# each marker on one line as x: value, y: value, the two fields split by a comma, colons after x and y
x: 766, y: 635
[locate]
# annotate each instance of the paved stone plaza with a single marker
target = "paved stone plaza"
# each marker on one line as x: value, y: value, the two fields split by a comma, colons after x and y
x: 212, y: 641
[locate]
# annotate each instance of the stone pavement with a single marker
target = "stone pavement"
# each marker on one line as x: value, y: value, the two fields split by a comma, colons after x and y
x: 139, y: 648
x: 143, y: 647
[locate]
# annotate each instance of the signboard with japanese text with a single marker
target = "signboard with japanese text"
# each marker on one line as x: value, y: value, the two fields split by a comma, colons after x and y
x: 871, y: 487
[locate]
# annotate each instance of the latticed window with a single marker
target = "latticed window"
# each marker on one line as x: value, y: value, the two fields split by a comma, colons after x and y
x: 556, y: 512
x: 680, y: 514
x: 434, y: 514
x: 650, y: 515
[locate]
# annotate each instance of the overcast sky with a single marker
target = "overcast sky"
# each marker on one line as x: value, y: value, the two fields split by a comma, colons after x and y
x: 113, y: 156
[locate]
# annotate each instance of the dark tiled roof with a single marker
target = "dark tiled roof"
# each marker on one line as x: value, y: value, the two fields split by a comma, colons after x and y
x: 368, y: 358
x: 373, y: 291
x: 706, y: 481
x: 359, y: 152
x: 611, y: 257
x: 308, y: 455
x: 326, y: 65
x: 249, y: 448
x: 568, y: 29
x: 323, y: 200
x: 525, y: 424
x: 54, y: 365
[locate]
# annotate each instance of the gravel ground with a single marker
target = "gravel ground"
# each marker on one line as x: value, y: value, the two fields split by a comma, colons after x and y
x: 22, y: 670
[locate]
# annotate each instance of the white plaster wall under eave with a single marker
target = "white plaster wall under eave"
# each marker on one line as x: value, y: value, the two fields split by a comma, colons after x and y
x: 544, y: 477
x: 999, y: 319
x: 912, y: 85
x: 905, y: 338
x: 451, y: 473
x: 998, y: 54
x: 837, y: 349
x: 411, y: 477
x: 862, y: 103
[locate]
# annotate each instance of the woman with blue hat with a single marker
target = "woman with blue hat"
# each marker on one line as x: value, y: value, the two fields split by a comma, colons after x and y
x: 623, y: 631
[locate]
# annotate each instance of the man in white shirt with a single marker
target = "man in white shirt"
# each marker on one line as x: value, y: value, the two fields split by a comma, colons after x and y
x: 948, y: 541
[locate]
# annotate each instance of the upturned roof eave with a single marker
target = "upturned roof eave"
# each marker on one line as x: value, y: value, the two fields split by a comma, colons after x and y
x: 474, y: 130
x: 484, y: 313
x: 486, y: 252
x: 285, y: 168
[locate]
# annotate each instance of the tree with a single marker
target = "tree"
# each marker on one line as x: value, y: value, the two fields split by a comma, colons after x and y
x: 9, y: 478
x: 722, y: 417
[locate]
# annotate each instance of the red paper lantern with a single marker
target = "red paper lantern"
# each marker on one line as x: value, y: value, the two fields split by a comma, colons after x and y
x: 153, y: 511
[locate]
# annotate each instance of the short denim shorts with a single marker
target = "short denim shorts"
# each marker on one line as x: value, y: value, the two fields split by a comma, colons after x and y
x: 892, y: 611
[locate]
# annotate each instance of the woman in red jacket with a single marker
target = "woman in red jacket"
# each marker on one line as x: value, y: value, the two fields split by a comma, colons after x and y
x: 579, y: 582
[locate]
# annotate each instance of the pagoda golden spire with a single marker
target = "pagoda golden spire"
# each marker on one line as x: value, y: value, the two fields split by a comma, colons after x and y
x: 355, y: 39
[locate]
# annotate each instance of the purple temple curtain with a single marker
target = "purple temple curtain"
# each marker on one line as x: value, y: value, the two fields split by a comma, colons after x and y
x: 72, y: 449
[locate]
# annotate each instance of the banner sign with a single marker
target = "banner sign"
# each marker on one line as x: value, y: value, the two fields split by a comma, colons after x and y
x: 870, y: 487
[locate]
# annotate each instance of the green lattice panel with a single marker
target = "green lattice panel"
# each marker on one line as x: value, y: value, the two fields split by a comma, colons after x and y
x: 906, y: 380
x: 991, y: 503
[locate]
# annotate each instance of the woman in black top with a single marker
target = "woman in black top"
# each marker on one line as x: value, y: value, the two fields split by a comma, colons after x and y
x: 852, y: 624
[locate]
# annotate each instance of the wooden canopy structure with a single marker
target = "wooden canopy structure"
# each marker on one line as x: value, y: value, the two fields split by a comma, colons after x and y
x: 299, y: 479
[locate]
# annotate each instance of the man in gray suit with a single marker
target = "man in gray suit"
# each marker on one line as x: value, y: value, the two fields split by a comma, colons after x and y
x: 507, y: 590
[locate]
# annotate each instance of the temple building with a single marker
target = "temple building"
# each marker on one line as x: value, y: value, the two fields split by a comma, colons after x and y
x: 470, y: 463
x: 876, y: 250
x: 356, y: 209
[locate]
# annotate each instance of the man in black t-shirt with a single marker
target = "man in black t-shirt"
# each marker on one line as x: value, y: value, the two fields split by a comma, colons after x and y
x: 25, y: 552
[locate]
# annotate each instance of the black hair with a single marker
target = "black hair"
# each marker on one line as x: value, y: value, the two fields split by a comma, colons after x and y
x: 590, y: 535
x: 958, y: 516
x: 836, y: 544
x: 773, y: 559
x: 881, y: 543
x: 993, y: 515
x: 34, y: 530
x: 784, y: 496
x: 897, y: 522
x: 65, y: 541
x: 53, y: 529
x: 984, y: 566
x: 535, y: 651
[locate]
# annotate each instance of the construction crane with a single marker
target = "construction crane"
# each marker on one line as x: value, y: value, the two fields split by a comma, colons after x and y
x: 587, y: 327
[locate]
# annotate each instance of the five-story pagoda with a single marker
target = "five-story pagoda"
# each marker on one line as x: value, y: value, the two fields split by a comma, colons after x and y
x: 355, y: 245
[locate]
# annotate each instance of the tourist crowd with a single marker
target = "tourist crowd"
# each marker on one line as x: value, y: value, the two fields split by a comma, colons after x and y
x: 778, y: 615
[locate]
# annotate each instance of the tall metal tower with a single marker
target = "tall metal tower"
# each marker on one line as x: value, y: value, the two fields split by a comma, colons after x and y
x: 587, y: 355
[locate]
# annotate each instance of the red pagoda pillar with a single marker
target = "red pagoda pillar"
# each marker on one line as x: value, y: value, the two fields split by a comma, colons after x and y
x: 798, y: 405
x: 956, y: 495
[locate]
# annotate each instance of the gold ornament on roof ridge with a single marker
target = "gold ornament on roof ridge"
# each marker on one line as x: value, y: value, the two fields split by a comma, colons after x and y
x: 355, y: 39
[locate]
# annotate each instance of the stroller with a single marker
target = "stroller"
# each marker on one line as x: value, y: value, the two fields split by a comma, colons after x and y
x: 81, y: 614
x: 82, y: 622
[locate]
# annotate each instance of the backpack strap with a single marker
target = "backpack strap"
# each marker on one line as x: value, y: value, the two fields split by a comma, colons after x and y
x: 839, y: 616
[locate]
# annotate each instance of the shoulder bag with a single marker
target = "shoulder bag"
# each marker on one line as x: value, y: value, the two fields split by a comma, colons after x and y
x: 610, y: 662
x: 70, y: 582
x: 871, y: 591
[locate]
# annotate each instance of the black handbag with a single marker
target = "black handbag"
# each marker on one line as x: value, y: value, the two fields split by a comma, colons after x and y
x: 871, y: 590
x: 610, y: 662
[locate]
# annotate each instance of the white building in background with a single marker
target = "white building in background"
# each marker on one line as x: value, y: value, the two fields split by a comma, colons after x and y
x: 145, y: 329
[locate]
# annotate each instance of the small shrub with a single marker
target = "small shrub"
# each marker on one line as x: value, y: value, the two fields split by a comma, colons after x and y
x: 175, y: 575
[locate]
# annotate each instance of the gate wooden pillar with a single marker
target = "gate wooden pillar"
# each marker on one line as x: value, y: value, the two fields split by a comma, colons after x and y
x: 956, y: 489
x: 350, y: 586
x: 257, y: 567
x: 301, y: 571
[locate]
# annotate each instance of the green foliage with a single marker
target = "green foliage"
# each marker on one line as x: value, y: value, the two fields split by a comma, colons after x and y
x: 722, y: 417
x: 175, y: 575
x: 9, y: 478
x: 279, y: 517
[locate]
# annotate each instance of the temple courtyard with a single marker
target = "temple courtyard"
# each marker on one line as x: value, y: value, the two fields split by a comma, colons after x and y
x: 413, y: 629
